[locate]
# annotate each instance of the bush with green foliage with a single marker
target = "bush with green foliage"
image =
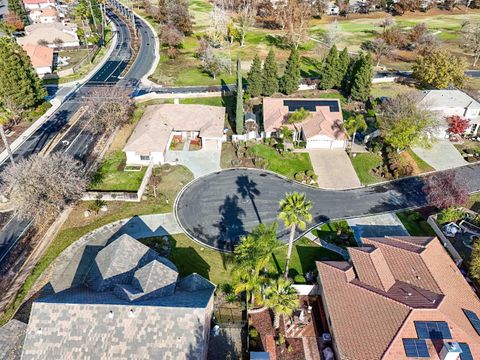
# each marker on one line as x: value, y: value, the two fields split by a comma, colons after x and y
x: 298, y: 116
x: 450, y: 215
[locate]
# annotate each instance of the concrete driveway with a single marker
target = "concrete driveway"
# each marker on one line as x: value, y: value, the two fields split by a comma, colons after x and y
x: 441, y: 156
x: 334, y: 169
x: 200, y: 162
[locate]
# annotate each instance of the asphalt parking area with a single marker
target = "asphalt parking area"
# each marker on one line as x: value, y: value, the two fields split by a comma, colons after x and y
x: 219, y: 208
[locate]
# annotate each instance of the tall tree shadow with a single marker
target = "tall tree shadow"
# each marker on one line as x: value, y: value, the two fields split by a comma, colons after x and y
x: 230, y: 225
x: 248, y: 188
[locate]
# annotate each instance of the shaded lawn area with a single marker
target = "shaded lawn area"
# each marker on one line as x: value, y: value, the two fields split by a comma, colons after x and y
x: 338, y: 233
x: 212, y: 101
x: 415, y: 224
x: 287, y: 163
x: 389, y: 89
x: 364, y: 164
x: 304, y: 255
x: 112, y: 177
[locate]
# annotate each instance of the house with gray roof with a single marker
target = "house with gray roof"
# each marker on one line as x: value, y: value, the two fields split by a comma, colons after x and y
x: 130, y: 305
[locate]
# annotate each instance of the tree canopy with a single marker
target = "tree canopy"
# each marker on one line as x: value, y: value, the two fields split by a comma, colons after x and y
x: 291, y: 78
x: 270, y: 74
x: 361, y: 77
x: 330, y: 72
x: 445, y: 190
x: 20, y: 85
x: 439, y: 69
x: 254, y: 78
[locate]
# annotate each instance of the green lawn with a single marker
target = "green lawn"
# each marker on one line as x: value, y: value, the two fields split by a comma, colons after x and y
x: 389, y: 89
x: 287, y: 163
x: 422, y: 165
x: 212, y: 101
x: 304, y: 255
x: 111, y: 176
x: 415, y: 224
x: 364, y: 164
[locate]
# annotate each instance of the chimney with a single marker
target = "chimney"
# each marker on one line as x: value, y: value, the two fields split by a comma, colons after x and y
x: 450, y: 351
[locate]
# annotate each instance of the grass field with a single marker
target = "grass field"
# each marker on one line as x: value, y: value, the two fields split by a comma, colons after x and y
x: 112, y: 177
x: 287, y: 164
x: 415, y: 224
x: 364, y: 164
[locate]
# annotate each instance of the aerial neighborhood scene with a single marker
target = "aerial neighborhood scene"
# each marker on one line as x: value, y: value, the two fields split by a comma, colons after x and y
x: 240, y: 179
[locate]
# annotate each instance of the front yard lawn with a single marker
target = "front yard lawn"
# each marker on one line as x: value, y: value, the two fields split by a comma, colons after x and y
x: 287, y: 163
x: 304, y: 255
x: 338, y: 233
x: 112, y: 177
x: 420, y: 164
x: 364, y: 164
x: 415, y: 224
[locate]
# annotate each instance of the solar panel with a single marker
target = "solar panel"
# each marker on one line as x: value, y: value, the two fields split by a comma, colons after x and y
x: 432, y: 330
x: 466, y: 353
x: 310, y: 105
x: 415, y: 348
x: 474, y: 320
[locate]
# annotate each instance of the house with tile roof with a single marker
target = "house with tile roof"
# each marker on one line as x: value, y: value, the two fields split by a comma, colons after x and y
x: 449, y: 102
x: 131, y: 304
x: 38, y: 4
x: 321, y: 129
x: 160, y: 124
x: 400, y: 298
x: 41, y: 58
x: 50, y: 32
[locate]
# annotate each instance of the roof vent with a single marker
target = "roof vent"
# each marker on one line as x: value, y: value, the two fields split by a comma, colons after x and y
x: 131, y: 313
x: 409, y: 294
x: 110, y: 314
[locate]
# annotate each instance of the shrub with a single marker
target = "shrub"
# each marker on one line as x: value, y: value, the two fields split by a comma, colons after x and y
x: 299, y: 176
x: 231, y: 298
x: 226, y: 288
x: 253, y: 333
x: 450, y: 215
x: 309, y: 173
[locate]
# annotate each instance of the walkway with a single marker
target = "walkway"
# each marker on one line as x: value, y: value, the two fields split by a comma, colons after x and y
x: 377, y: 226
x: 219, y: 208
x: 441, y: 156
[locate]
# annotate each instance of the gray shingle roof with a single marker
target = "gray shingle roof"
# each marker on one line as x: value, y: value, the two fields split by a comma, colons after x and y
x: 11, y: 339
x: 140, y: 311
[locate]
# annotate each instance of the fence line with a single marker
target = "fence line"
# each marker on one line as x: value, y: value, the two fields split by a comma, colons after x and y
x: 448, y: 245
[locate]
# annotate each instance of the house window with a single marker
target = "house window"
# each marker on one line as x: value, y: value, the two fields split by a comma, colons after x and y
x: 144, y: 157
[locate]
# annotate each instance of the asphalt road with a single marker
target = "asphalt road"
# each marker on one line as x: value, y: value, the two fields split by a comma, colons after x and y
x: 221, y: 207
x: 80, y: 141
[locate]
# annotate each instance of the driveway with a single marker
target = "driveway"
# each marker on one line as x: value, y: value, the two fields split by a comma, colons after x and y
x: 377, y: 226
x: 334, y: 169
x: 200, y: 162
x: 441, y: 156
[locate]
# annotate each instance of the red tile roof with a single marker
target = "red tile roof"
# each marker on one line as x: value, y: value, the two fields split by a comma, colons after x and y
x: 370, y: 316
x: 41, y: 56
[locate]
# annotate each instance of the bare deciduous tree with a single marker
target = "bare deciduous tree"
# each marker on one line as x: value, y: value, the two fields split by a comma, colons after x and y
x: 245, y: 19
x: 41, y: 187
x: 296, y: 14
x: 379, y: 48
x: 213, y: 63
x: 471, y: 36
x: 332, y: 35
x: 217, y: 30
x: 109, y: 108
x: 172, y: 38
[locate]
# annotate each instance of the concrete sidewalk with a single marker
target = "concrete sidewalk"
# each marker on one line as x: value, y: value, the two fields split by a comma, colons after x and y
x: 58, y: 100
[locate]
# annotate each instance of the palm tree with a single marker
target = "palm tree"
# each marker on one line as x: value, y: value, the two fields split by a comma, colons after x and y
x: 282, y: 298
x: 354, y: 124
x: 251, y: 282
x: 294, y: 211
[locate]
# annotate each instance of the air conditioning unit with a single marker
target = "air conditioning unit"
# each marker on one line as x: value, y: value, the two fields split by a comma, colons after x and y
x: 450, y: 351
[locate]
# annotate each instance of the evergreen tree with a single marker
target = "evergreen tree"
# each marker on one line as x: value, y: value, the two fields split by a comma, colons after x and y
x: 330, y: 73
x: 239, y: 109
x: 19, y: 83
x: 270, y: 75
x: 361, y: 81
x: 255, y: 83
x: 343, y: 64
x: 291, y: 78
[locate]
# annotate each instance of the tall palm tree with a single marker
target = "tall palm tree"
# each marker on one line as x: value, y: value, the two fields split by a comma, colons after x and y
x: 282, y: 298
x: 295, y: 212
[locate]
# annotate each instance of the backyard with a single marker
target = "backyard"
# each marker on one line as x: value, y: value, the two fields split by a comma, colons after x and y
x: 338, y: 233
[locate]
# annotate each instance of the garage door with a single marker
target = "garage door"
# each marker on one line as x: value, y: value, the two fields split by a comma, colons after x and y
x: 319, y: 144
x: 211, y: 144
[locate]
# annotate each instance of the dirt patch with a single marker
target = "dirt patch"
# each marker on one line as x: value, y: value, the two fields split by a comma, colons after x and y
x: 407, y: 158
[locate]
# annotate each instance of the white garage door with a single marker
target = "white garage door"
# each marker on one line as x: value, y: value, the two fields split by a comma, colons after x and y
x: 319, y: 144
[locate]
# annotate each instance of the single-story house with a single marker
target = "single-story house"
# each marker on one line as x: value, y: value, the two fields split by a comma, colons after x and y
x: 38, y: 4
x: 41, y: 57
x: 50, y: 32
x: 159, y: 124
x: 452, y: 102
x: 321, y: 129
x: 47, y: 15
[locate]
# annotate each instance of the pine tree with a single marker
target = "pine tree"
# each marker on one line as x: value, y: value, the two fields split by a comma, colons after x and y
x: 239, y: 109
x: 330, y: 73
x: 255, y: 83
x: 343, y: 64
x: 270, y: 75
x: 361, y: 81
x: 291, y: 78
x: 19, y: 83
